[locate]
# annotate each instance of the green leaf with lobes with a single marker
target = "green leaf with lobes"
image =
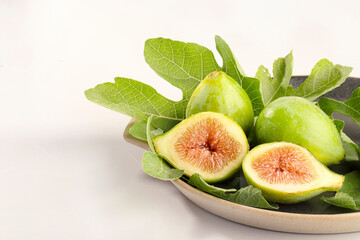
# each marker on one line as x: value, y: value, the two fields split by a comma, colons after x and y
x: 230, y: 64
x: 248, y: 196
x: 324, y: 77
x: 273, y: 88
x: 158, y: 168
x: 349, y: 195
x: 137, y: 100
x: 183, y: 65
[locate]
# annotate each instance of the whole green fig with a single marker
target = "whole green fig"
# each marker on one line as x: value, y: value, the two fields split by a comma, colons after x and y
x: 299, y: 121
x: 218, y: 92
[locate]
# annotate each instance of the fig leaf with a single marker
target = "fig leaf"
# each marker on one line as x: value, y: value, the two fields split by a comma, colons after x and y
x: 234, y: 70
x: 351, y: 149
x: 350, y: 107
x: 137, y: 100
x: 149, y: 135
x: 339, y: 124
x: 159, y: 168
x: 184, y: 65
x: 138, y: 130
x: 349, y: 195
x: 248, y: 196
x: 153, y: 164
x: 273, y: 88
x: 324, y: 77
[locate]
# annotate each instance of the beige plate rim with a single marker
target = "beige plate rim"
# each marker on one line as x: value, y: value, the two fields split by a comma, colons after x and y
x: 262, y: 218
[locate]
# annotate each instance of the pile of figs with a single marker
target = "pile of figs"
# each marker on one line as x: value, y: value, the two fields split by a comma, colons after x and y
x: 295, y: 141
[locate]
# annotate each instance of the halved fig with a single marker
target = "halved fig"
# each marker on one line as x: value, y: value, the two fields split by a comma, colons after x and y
x: 288, y: 173
x: 218, y: 92
x: 207, y: 143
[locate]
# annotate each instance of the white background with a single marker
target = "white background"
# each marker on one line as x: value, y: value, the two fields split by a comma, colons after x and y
x: 65, y: 170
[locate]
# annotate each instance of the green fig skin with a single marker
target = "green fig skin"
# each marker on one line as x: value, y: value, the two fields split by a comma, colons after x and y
x: 220, y: 93
x: 299, y: 121
x: 286, y: 198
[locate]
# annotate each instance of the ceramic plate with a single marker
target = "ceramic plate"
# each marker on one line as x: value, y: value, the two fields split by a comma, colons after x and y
x: 307, y: 217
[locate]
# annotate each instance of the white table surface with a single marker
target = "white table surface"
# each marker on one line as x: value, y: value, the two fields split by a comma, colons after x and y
x: 65, y: 170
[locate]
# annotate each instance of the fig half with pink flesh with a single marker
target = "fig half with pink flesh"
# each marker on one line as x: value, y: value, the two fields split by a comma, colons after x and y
x: 288, y: 173
x: 208, y: 143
